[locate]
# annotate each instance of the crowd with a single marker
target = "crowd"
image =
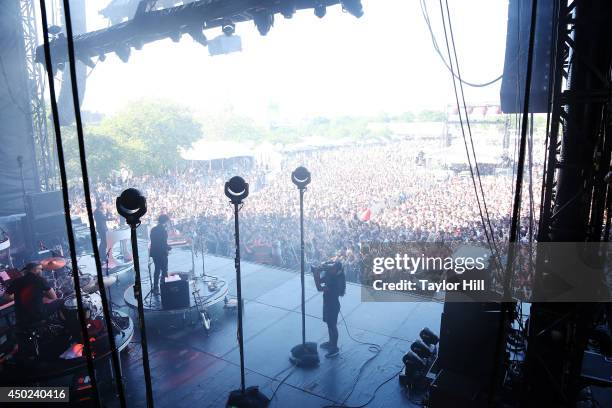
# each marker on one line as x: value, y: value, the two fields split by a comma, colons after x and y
x: 358, y: 194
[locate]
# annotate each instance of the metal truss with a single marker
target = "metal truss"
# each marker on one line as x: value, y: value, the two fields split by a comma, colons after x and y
x: 563, y: 99
x: 574, y: 193
x: 45, y: 158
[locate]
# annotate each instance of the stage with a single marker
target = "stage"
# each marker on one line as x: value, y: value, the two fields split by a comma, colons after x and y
x: 192, y: 368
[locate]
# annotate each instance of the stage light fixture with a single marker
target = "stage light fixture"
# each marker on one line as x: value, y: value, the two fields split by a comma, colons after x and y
x: 198, y: 36
x: 421, y: 349
x: 288, y: 8
x: 176, y: 36
x: 320, y: 10
x: 228, y: 27
x: 414, y: 370
x: 236, y: 189
x: 301, y: 177
x: 429, y: 337
x: 102, y: 57
x: 353, y: 7
x: 87, y: 61
x: 123, y: 53
x: 131, y: 205
x: 263, y: 21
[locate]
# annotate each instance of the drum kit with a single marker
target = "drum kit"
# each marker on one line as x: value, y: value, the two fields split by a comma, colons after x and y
x: 57, y: 271
x: 37, y: 340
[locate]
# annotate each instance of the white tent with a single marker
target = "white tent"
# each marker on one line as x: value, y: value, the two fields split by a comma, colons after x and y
x: 216, y: 150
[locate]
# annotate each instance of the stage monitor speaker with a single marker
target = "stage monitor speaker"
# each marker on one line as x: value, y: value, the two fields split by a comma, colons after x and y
x: 175, y: 294
x: 517, y: 47
x: 44, y: 204
x: 45, y: 221
x: 468, y: 334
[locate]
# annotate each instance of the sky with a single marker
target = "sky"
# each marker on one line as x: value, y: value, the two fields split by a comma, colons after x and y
x: 307, y: 67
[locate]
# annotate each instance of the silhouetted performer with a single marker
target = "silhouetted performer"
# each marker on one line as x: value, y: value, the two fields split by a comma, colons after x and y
x: 34, y: 299
x: 101, y: 229
x: 159, y: 251
x: 333, y: 285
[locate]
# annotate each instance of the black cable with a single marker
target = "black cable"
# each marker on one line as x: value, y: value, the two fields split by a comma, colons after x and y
x: 283, y: 380
x: 437, y: 49
x: 116, y: 364
x: 372, y: 347
x: 482, y: 217
x: 467, y: 121
x: 66, y: 204
x: 507, y: 307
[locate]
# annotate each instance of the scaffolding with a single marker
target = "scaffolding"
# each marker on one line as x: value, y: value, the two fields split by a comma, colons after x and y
x: 45, y: 158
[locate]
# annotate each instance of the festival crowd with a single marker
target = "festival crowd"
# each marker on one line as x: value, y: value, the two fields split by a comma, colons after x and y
x: 358, y: 194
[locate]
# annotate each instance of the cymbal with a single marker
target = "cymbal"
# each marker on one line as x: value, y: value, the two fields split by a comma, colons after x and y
x: 52, y: 264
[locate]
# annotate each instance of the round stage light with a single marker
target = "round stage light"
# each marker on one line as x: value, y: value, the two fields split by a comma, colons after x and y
x: 236, y: 189
x: 131, y: 205
x: 301, y: 177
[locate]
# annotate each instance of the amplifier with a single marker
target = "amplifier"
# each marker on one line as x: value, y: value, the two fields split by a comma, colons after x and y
x: 175, y: 294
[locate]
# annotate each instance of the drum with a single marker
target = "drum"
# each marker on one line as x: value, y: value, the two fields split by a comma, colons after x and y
x: 92, y: 303
x: 88, y: 283
x: 65, y: 285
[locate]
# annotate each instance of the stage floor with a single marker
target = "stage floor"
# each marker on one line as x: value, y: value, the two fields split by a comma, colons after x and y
x: 192, y: 368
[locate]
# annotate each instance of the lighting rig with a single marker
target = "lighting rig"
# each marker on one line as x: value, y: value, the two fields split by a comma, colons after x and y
x: 150, y: 25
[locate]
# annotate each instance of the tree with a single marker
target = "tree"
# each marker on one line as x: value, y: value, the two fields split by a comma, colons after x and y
x: 150, y: 134
x: 431, y: 116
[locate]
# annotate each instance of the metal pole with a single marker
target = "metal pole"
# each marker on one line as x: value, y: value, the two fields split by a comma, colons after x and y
x: 66, y: 203
x: 141, y: 319
x: 302, y: 266
x: 116, y: 365
x: 239, y: 294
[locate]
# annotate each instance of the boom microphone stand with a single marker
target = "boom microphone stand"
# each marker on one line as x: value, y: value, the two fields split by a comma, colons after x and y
x: 236, y: 189
x: 132, y: 205
x: 305, y: 354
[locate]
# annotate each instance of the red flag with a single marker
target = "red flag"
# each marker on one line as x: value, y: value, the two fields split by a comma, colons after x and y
x: 366, y: 215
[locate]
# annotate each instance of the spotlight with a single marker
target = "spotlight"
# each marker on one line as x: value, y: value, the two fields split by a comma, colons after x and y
x: 236, y: 189
x: 198, y: 36
x: 263, y: 21
x: 131, y: 205
x: 421, y: 349
x: 429, y: 337
x: 137, y: 44
x: 176, y: 36
x: 353, y: 7
x: 300, y: 177
x: 228, y: 27
x: 320, y: 10
x: 413, y: 361
x: 87, y: 61
x: 123, y: 53
x: 288, y: 8
x: 414, y: 370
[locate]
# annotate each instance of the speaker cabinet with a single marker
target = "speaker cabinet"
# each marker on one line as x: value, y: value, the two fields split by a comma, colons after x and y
x: 175, y: 294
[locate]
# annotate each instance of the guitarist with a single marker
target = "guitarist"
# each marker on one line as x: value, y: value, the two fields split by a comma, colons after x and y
x: 159, y: 251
